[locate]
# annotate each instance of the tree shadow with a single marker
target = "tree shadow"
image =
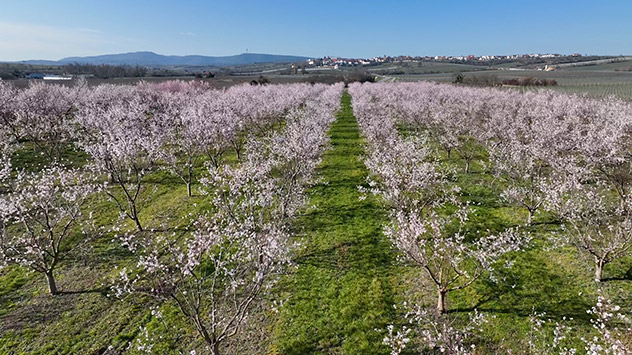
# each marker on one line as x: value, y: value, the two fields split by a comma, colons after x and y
x: 100, y: 290
x: 530, y: 285
x: 625, y: 277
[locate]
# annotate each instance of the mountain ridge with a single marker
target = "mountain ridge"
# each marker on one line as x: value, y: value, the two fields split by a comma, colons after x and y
x: 147, y: 58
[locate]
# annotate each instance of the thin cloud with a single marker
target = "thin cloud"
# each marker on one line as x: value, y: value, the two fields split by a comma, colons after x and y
x: 21, y: 41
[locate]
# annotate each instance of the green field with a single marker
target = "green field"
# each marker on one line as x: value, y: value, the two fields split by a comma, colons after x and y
x: 595, y: 81
x: 408, y: 68
x: 619, y: 65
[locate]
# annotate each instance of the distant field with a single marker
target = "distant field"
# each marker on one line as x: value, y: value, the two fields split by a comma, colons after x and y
x: 422, y: 68
x: 576, y: 80
x: 619, y: 65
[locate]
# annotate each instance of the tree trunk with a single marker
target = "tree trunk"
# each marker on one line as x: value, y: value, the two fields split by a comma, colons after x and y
x: 138, y: 225
x: 467, y: 166
x: 238, y: 152
x: 449, y: 152
x: 211, y: 341
x: 52, y: 287
x: 134, y: 215
x: 599, y: 264
x: 530, y: 218
x: 441, y: 301
x: 189, y: 178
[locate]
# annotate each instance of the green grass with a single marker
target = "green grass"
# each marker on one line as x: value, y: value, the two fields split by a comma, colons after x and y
x: 416, y: 68
x: 342, y: 288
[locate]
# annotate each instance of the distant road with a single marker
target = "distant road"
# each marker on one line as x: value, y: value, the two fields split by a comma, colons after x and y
x: 386, y: 79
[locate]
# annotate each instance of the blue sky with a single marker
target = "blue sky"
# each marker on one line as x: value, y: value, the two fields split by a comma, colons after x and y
x: 53, y: 29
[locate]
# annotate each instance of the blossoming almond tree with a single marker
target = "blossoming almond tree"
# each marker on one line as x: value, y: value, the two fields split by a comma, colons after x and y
x: 525, y: 172
x: 451, y: 262
x: 611, y: 339
x: 595, y: 222
x: 214, y: 274
x: 40, y: 215
x: 447, y: 335
x: 43, y: 117
x: 8, y: 108
x: 181, y: 150
x: 612, y: 332
x: 201, y: 126
x: 413, y: 188
x: 7, y: 147
x: 124, y: 138
x: 409, y: 177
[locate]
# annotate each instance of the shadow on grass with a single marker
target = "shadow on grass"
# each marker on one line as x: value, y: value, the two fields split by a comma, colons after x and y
x: 100, y: 290
x: 532, y: 284
x: 627, y: 276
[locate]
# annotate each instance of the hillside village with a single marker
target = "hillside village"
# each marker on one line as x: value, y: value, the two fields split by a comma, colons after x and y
x: 337, y: 62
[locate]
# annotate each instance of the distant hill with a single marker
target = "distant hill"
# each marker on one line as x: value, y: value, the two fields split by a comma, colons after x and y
x: 152, y: 59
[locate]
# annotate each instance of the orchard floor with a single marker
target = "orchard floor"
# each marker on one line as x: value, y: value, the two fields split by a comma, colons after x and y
x: 341, y: 295
x: 342, y: 289
x: 350, y: 285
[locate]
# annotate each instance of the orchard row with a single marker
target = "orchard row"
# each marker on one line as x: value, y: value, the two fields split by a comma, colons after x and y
x: 215, y: 264
x: 564, y: 155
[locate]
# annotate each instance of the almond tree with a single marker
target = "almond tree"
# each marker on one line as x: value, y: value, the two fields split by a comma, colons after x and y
x: 124, y: 138
x: 540, y: 342
x: 594, y: 223
x: 7, y: 147
x: 181, y: 108
x: 611, y: 339
x: 9, y: 135
x: 605, y: 144
x: 455, y: 124
x: 216, y: 273
x: 409, y: 177
x: 524, y: 171
x: 413, y: 188
x: 183, y: 147
x: 40, y: 215
x: 297, y: 151
x: 447, y: 335
x: 448, y: 259
x: 44, y: 115
x: 201, y: 126
x: 609, y: 336
x: 8, y: 108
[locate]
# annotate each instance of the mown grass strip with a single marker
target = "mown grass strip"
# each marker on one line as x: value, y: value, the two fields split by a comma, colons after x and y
x: 341, y: 291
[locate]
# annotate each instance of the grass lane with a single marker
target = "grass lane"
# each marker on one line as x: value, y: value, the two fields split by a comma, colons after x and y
x: 342, y: 289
